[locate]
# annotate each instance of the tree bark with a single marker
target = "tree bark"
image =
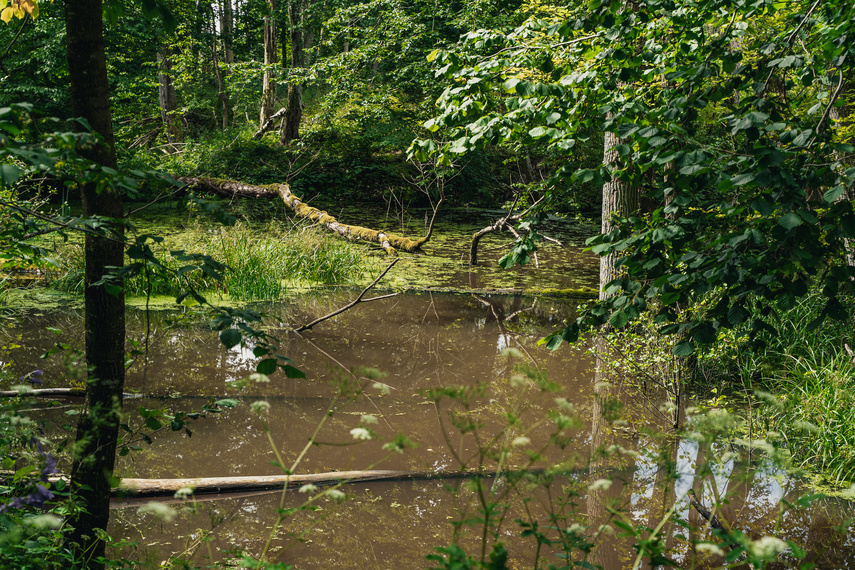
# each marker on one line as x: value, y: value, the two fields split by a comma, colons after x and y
x: 620, y: 198
x: 227, y: 32
x: 268, y: 89
x: 294, y: 113
x: 166, y: 94
x: 230, y: 189
x: 98, y: 428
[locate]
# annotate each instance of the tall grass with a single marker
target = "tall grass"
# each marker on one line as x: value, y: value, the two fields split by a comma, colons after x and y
x: 259, y: 260
x: 812, y: 379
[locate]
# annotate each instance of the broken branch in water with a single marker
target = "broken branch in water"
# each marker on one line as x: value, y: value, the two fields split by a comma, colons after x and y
x: 359, y: 299
x: 505, y: 223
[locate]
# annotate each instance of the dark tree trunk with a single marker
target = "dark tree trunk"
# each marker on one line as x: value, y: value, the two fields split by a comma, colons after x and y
x: 268, y: 88
x: 227, y: 30
x: 166, y: 94
x: 294, y: 114
x: 97, y: 431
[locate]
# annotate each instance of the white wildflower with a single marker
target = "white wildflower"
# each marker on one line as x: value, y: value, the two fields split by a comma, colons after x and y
x: 520, y: 441
x: 600, y: 485
x: 710, y: 548
x: 159, y: 510
x: 368, y: 419
x: 308, y: 488
x: 184, y: 493
x: 260, y: 407
x: 336, y: 495
x: 360, y: 433
x: 767, y: 547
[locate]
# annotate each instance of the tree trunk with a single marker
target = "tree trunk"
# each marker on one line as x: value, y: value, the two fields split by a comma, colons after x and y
x: 294, y: 114
x: 620, y: 198
x: 839, y: 114
x: 230, y: 189
x: 97, y: 431
x: 228, y: 31
x: 268, y: 89
x: 166, y: 94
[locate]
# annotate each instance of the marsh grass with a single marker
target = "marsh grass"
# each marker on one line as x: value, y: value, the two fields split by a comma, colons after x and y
x: 806, y: 383
x: 259, y: 260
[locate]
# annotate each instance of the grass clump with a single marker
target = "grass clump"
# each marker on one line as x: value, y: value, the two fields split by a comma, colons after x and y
x: 806, y: 383
x: 258, y: 260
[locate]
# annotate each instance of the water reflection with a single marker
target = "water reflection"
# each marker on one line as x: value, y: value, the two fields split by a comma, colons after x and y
x: 421, y: 342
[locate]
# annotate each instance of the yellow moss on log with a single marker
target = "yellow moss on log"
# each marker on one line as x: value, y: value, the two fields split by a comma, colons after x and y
x: 389, y: 242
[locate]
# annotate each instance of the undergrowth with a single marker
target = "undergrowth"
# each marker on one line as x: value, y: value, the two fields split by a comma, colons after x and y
x: 258, y: 259
x: 803, y: 382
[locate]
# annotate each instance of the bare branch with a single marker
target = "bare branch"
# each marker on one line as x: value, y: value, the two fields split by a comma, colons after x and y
x: 355, y: 301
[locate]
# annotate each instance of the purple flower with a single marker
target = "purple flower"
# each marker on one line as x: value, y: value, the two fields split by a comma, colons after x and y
x: 33, y: 377
x: 50, y: 467
x: 38, y: 497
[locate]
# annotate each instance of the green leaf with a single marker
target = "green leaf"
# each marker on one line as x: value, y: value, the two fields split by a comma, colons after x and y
x: 292, y: 372
x: 260, y: 351
x: 737, y: 314
x: 832, y: 195
x: 230, y: 337
x: 153, y: 424
x: 684, y: 348
x: 9, y: 173
x: 618, y: 320
x: 790, y: 221
x: 742, y: 179
x: 266, y: 366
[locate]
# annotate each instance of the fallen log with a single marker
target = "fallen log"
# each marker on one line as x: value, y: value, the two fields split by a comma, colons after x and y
x: 168, y: 487
x: 53, y: 393
x: 391, y: 243
x: 140, y: 488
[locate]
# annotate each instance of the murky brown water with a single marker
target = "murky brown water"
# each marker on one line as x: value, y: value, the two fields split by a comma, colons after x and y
x: 420, y: 342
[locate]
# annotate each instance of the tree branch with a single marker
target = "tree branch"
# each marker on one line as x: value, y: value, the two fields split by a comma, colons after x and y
x: 355, y: 301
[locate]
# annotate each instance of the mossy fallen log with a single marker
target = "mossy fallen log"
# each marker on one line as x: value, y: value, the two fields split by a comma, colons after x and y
x: 391, y: 243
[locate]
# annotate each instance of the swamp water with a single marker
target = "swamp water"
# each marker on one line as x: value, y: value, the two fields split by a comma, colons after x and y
x: 419, y: 342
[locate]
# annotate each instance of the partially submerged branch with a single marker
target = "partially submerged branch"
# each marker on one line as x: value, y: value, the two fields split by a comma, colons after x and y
x: 391, y: 243
x: 358, y: 299
x: 505, y: 223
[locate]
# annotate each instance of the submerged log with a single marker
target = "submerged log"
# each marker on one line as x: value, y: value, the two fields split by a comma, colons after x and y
x: 168, y: 487
x: 230, y: 189
x: 53, y: 392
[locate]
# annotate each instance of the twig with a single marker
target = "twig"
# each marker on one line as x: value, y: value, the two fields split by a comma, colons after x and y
x: 15, y: 39
x: 355, y: 301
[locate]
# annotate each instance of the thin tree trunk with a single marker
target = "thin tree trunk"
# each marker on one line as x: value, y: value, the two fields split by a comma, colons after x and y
x: 838, y: 114
x: 97, y: 431
x: 268, y: 89
x: 222, y: 93
x: 294, y: 114
x: 166, y: 94
x: 227, y: 31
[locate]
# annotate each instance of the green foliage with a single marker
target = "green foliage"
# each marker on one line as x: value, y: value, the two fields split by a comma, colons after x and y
x: 737, y: 212
x: 810, y: 377
x: 256, y: 260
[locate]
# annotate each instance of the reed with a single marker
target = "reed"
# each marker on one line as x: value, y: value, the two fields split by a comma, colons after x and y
x: 259, y: 259
x: 812, y: 379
